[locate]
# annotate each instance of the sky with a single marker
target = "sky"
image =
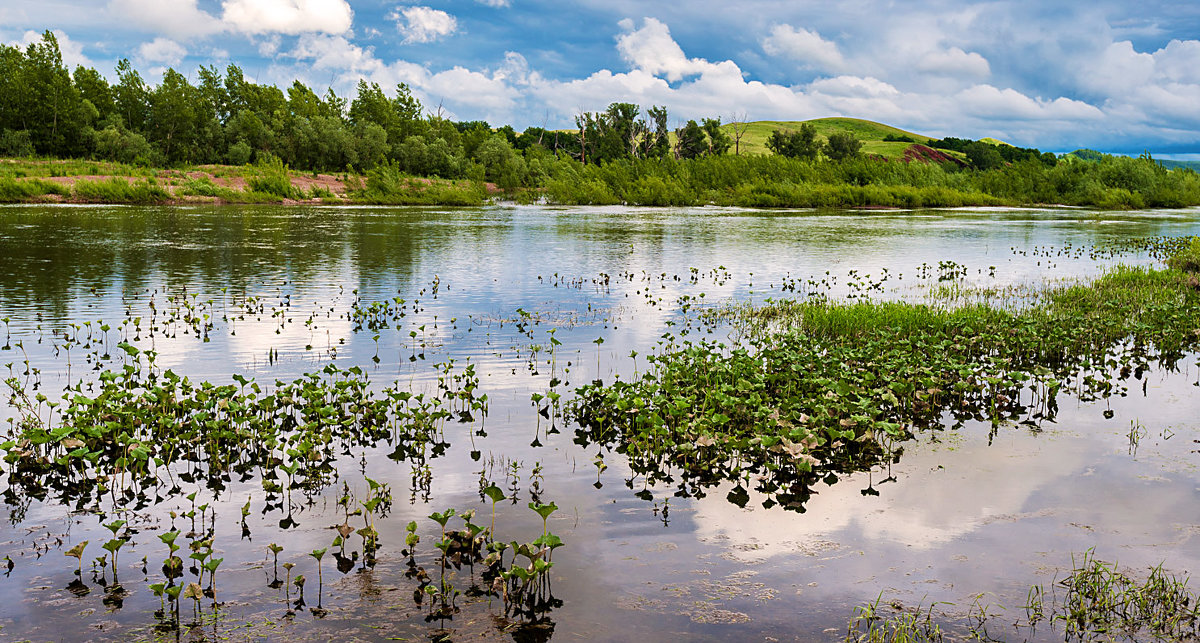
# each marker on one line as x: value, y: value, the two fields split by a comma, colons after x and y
x: 1116, y: 76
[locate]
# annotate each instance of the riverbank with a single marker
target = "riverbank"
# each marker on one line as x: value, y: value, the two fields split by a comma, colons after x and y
x: 747, y: 181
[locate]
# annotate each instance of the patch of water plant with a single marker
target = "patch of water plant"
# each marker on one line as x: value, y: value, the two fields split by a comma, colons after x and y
x: 819, y: 388
x: 1095, y: 601
x: 137, y: 429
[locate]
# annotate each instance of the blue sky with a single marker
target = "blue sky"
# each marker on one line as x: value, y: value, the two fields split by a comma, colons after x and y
x: 1115, y: 76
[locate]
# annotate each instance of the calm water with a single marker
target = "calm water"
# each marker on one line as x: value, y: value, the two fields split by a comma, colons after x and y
x: 490, y: 287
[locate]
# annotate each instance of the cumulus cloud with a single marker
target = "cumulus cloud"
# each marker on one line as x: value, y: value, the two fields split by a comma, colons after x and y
x: 424, y: 24
x: 803, y: 46
x: 334, y: 52
x: 1009, y: 104
x: 162, y: 52
x: 288, y: 16
x: 175, y: 18
x: 181, y: 19
x: 955, y: 62
x: 652, y: 49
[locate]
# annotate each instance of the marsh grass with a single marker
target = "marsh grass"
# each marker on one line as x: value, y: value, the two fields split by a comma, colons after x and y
x: 1096, y: 601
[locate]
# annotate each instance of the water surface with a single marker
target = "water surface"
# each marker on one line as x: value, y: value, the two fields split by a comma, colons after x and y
x: 960, y: 515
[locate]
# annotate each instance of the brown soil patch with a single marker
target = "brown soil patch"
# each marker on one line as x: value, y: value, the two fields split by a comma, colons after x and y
x: 926, y: 154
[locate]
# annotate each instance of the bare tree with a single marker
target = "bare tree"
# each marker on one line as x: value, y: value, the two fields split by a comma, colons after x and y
x: 739, y: 125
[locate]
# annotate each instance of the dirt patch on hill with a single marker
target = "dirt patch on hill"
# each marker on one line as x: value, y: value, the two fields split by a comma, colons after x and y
x: 926, y: 154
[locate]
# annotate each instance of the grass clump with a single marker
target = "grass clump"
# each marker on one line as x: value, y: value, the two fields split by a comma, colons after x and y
x: 271, y: 177
x: 119, y: 190
x: 1096, y: 601
x: 387, y: 184
x: 14, y: 191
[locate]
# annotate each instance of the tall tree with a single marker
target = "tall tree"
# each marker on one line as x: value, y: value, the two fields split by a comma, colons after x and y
x: 132, y: 97
x: 58, y: 113
x: 690, y: 141
x: 718, y: 141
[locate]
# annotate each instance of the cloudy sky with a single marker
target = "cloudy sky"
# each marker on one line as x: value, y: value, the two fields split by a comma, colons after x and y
x: 1113, y: 75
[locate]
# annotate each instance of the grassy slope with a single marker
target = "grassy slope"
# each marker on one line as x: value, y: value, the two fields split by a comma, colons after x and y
x: 869, y: 132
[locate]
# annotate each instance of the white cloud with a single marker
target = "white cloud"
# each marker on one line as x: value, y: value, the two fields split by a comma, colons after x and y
x: 334, y: 52
x: 1008, y: 104
x: 853, y: 86
x: 424, y: 24
x: 162, y: 52
x: 175, y: 18
x: 288, y: 16
x: 270, y: 45
x: 804, y: 46
x: 955, y: 62
x: 495, y: 4
x: 653, y: 50
x: 72, y: 52
x: 1179, y: 61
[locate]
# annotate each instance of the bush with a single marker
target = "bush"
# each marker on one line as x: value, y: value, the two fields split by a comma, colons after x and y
x: 239, y: 153
x: 119, y: 144
x: 271, y: 177
x: 15, y: 143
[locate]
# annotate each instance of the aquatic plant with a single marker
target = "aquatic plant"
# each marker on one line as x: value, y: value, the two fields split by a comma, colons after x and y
x: 819, y: 388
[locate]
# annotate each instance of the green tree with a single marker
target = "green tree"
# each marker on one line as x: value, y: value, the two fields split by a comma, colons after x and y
x: 690, y: 141
x: 842, y: 146
x: 95, y: 89
x: 132, y: 97
x: 57, y: 115
x: 172, y: 125
x: 983, y: 156
x: 802, y: 144
x: 718, y: 141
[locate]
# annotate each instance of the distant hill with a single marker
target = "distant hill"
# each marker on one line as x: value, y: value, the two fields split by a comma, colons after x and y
x: 1176, y: 165
x: 872, y: 135
x: 1094, y: 156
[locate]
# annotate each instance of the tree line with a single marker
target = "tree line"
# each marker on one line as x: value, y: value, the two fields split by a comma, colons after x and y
x: 223, y: 117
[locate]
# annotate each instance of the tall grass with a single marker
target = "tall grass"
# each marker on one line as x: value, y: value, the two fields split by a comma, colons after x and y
x: 387, y: 184
x: 119, y: 190
x: 14, y: 191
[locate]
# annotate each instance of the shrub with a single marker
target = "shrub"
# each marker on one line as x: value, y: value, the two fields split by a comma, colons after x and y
x: 271, y: 177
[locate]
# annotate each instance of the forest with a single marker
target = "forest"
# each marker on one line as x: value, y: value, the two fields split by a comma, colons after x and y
x: 379, y: 139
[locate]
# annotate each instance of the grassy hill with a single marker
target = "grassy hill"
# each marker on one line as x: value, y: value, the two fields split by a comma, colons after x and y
x: 869, y: 132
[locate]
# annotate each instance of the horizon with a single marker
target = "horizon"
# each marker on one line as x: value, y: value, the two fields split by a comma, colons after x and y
x: 1108, y: 77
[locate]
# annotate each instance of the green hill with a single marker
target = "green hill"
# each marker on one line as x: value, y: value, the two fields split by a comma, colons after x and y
x: 869, y: 132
